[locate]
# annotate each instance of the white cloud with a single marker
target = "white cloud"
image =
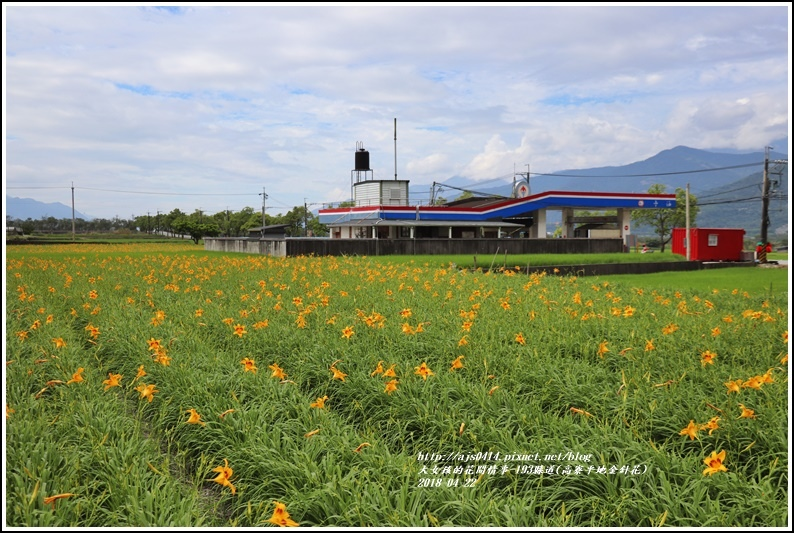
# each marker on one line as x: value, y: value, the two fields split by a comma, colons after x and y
x: 218, y: 100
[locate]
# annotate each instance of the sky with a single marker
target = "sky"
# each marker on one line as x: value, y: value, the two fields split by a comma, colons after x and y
x: 144, y: 108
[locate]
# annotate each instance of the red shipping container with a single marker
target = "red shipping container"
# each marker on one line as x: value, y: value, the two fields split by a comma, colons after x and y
x: 710, y: 244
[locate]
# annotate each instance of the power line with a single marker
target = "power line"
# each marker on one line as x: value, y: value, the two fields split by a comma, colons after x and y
x: 650, y: 175
x: 781, y: 197
x: 142, y: 192
x: 731, y: 190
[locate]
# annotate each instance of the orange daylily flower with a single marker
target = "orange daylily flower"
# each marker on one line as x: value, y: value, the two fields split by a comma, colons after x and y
x: 154, y: 344
x: 249, y: 365
x: 405, y: 313
x: 59, y: 342
x: 114, y: 380
x: 463, y: 341
x: 754, y: 382
x: 239, y: 330
x: 281, y: 516
x: 707, y: 358
x: 195, y: 418
x: 361, y: 446
x: 391, y: 386
x: 140, y: 374
x: 147, y: 391
x: 423, y: 370
x: 390, y: 372
x: 9, y: 411
x: 602, y: 349
x: 77, y: 376
x: 348, y: 332
x: 711, y: 425
x: 691, y: 430
x: 338, y: 374
x: 520, y: 339
x: 746, y: 413
x: 278, y: 372
x: 224, y: 475
x: 162, y: 358
x: 714, y: 463
x: 378, y: 369
x: 580, y: 411
x: 319, y: 403
x: 767, y: 377
x: 734, y: 386
x: 52, y: 499
x: 457, y: 363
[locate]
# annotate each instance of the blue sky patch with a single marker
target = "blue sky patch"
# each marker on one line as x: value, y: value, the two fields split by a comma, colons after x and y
x: 565, y: 100
x: 174, y: 10
x: 147, y: 90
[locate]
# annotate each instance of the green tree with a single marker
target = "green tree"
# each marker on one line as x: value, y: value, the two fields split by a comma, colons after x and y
x: 196, y: 230
x: 662, y: 221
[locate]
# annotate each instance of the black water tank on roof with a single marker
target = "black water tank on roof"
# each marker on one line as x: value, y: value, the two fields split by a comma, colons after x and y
x: 362, y: 159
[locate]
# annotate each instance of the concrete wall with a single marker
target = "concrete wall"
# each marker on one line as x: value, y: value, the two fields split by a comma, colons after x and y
x: 630, y: 268
x: 276, y: 248
x: 375, y: 247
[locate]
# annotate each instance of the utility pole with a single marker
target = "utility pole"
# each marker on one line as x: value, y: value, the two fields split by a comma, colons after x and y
x: 73, y: 212
x: 765, y: 199
x: 264, y: 197
x: 305, y: 219
x: 395, y: 149
x: 688, y: 240
x: 148, y: 222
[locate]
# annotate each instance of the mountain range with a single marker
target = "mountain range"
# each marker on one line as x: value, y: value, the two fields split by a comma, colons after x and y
x: 27, y: 208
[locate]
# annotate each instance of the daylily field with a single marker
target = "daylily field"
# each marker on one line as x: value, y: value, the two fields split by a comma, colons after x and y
x: 157, y: 385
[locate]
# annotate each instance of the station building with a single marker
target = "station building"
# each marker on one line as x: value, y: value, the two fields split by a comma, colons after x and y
x: 381, y: 210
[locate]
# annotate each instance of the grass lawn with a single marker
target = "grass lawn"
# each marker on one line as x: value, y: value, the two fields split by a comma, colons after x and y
x: 522, y: 260
x: 757, y: 281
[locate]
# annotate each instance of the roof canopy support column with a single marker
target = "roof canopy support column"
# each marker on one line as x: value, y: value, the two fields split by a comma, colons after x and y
x: 624, y: 220
x: 567, y: 222
x: 538, y: 229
